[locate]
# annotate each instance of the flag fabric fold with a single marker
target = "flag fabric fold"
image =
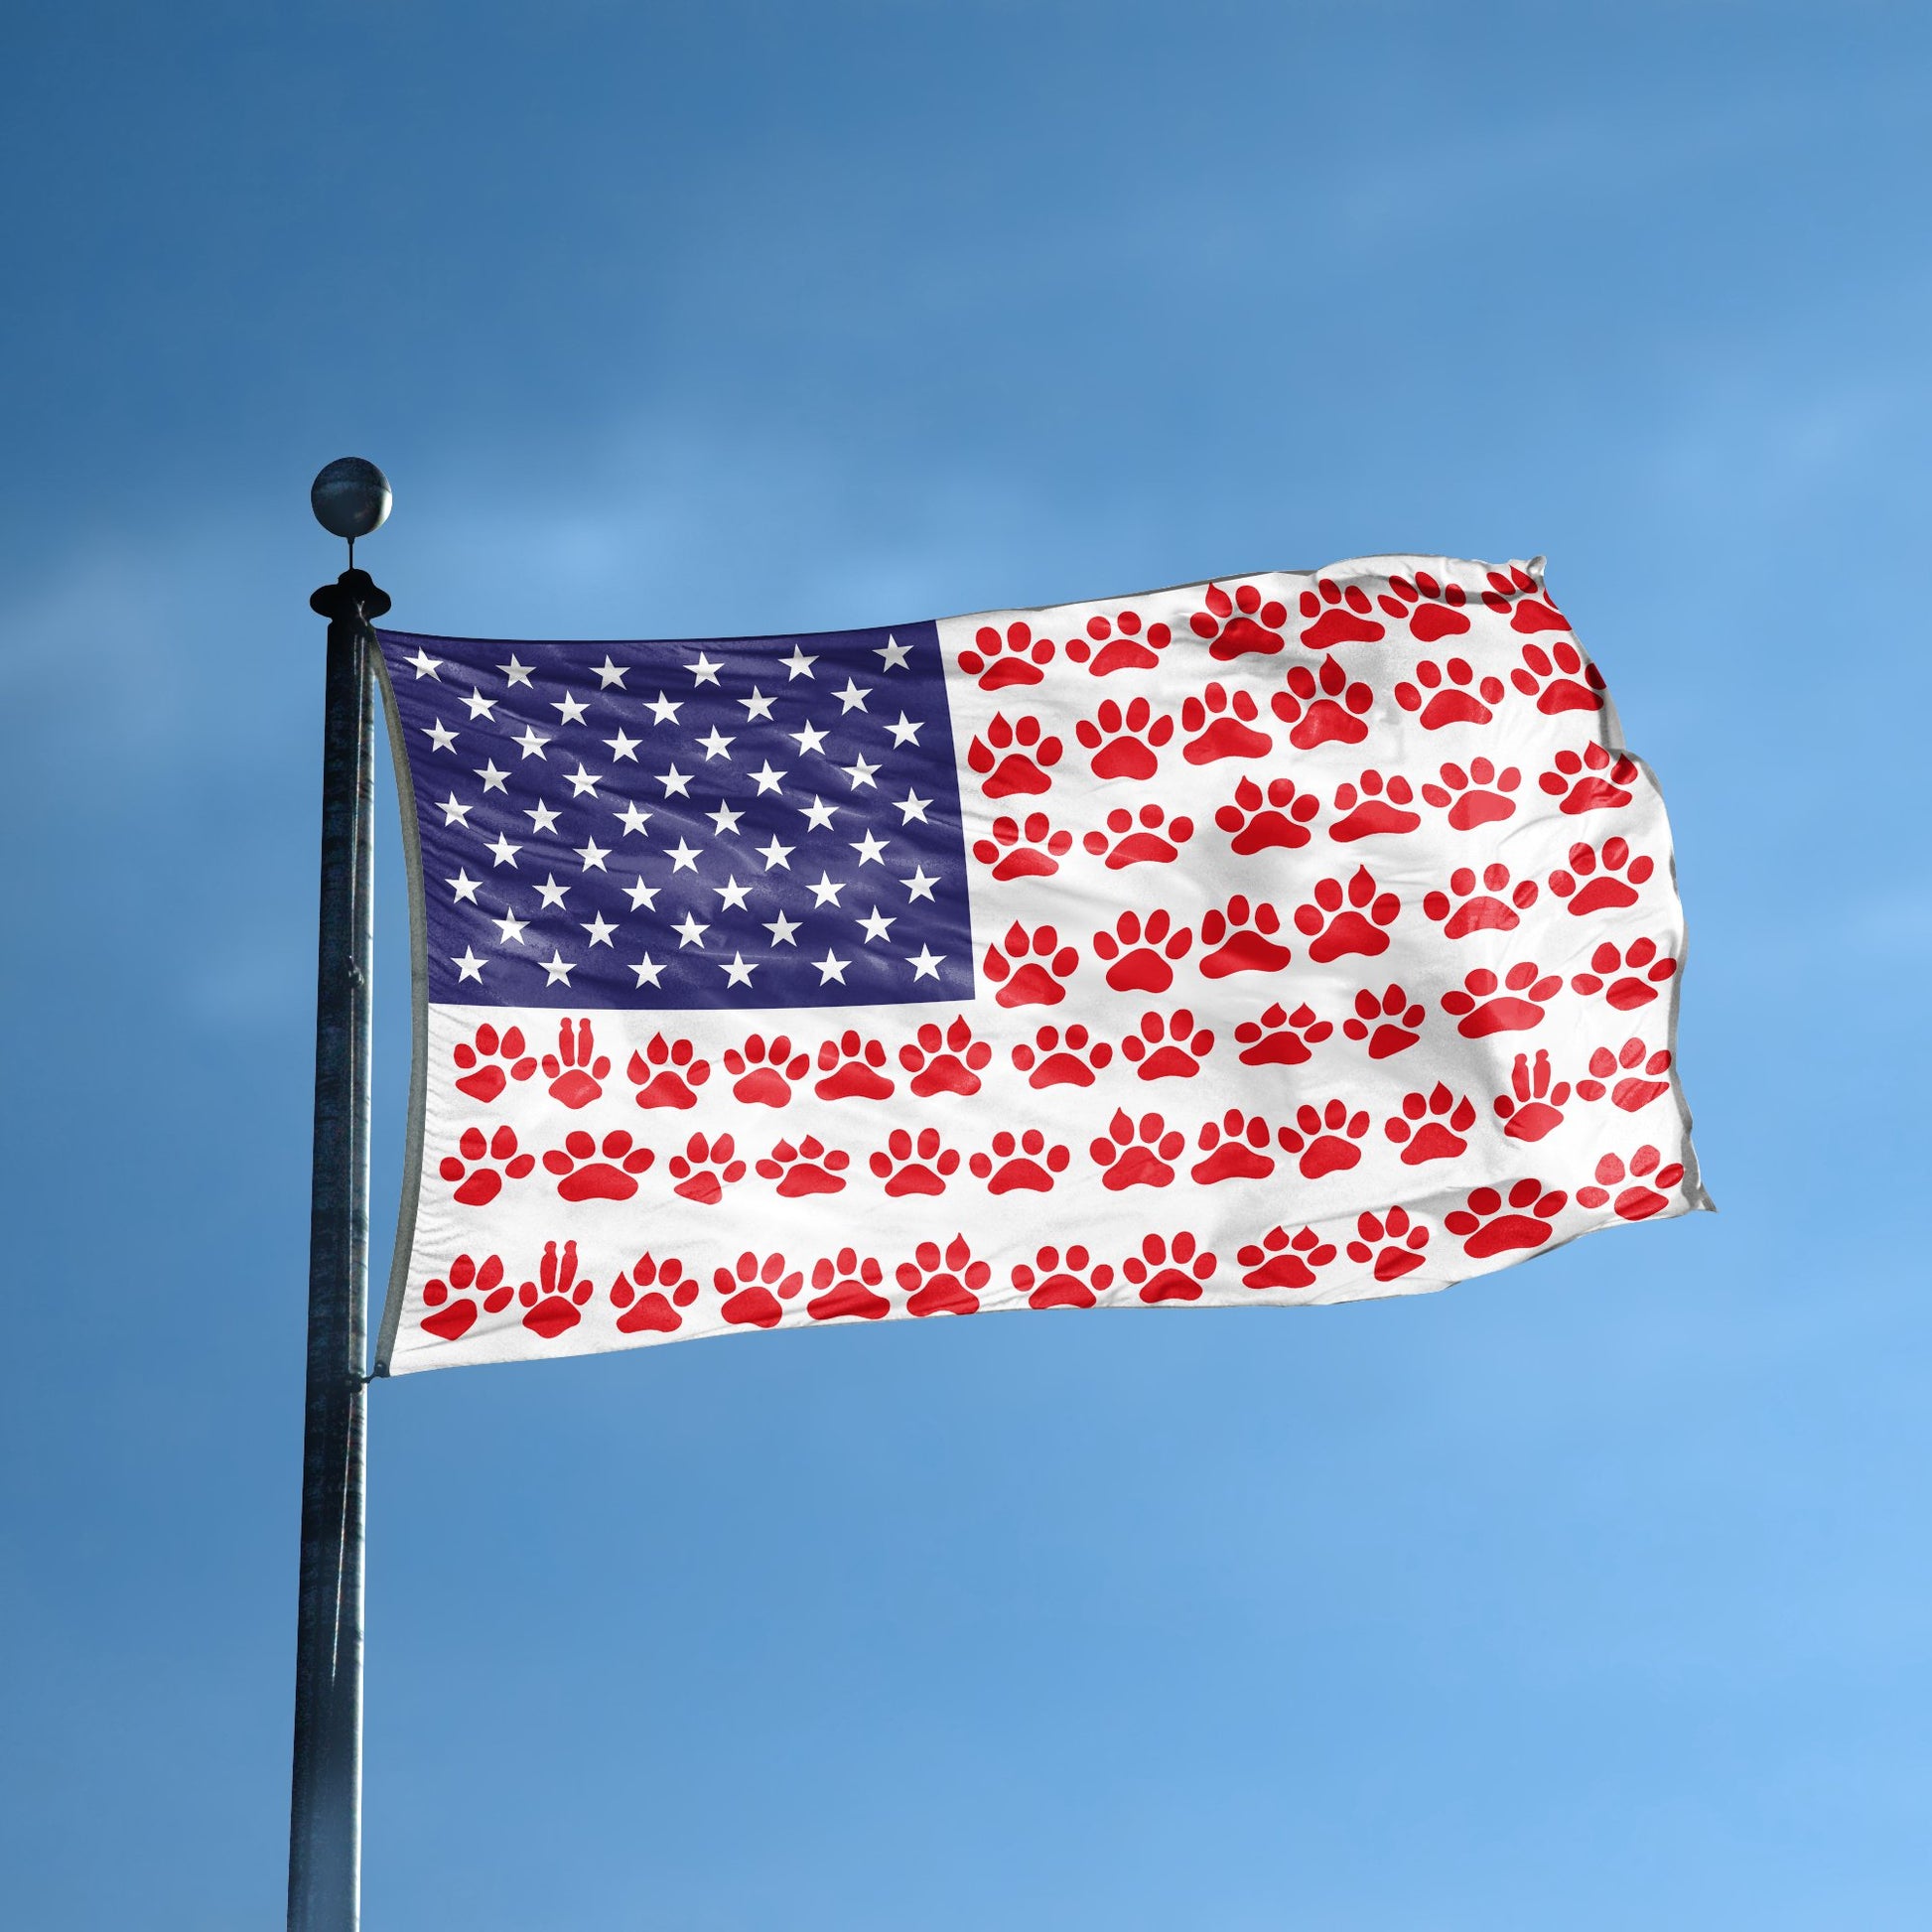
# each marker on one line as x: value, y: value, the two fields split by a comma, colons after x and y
x: 1286, y: 939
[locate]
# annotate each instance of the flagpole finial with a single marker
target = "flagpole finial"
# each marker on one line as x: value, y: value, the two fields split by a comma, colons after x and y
x: 350, y: 498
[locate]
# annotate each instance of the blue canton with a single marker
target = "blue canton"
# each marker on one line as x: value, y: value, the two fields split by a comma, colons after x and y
x: 739, y: 822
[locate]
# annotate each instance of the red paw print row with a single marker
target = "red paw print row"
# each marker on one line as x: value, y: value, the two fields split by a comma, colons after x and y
x: 1246, y: 621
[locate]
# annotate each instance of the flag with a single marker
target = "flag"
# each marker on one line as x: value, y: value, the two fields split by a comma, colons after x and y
x: 1284, y: 939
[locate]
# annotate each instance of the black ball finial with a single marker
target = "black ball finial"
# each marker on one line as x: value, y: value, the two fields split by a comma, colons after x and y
x: 350, y: 498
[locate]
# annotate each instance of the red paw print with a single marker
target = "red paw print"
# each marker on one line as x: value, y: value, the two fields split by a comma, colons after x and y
x: 480, y: 1179
x: 1125, y: 739
x: 1241, y: 939
x: 1140, y: 958
x: 1602, y: 882
x: 1237, y: 1148
x: 945, y: 1062
x: 1020, y: 1161
x: 1343, y: 920
x: 1339, y: 617
x: 764, y: 1071
x: 753, y: 1288
x: 1391, y: 1024
x: 1169, y: 1270
x: 944, y: 1283
x: 1374, y: 805
x: 852, y: 1067
x: 810, y: 1168
x: 1476, y: 796
x: 454, y: 1302
x: 1643, y: 1076
x: 1533, y: 1106
x: 1327, y: 1139
x: 1558, y: 679
x: 1055, y: 1281
x: 1432, y: 1126
x: 1280, y: 1037
x: 1119, y: 645
x: 1431, y: 611
x: 1405, y: 1238
x: 1062, y: 1061
x: 1239, y: 624
x: 582, y: 1175
x: 1034, y: 982
x: 1260, y: 820
x: 665, y: 1072
x: 649, y: 1302
x: 1222, y: 724
x: 848, y: 1289
x: 479, y: 1071
x: 1325, y: 708
x: 1643, y: 969
x: 909, y: 1167
x: 1589, y: 780
x: 1451, y: 694
x: 554, y: 1302
x: 576, y: 1070
x: 1014, y: 757
x: 1527, y: 612
x: 1156, y: 839
x: 1487, y: 1230
x: 1279, y: 1260
x: 1646, y: 1173
x: 705, y: 1168
x: 1484, y: 1005
x: 1167, y: 1048
x: 1462, y: 910
x: 1017, y: 658
x: 1033, y: 850
x: 1137, y: 1153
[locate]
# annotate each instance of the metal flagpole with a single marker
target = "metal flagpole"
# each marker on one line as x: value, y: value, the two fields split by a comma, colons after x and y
x: 351, y: 498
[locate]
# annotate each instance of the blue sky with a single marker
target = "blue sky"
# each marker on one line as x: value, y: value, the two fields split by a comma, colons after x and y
x: 1591, y: 1595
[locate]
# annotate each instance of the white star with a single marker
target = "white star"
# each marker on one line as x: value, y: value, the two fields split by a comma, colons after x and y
x: 513, y: 672
x: 455, y: 812
x: 493, y: 776
x: 870, y: 849
x: 704, y: 671
x: 852, y: 697
x: 480, y: 706
x: 555, y: 969
x: 732, y: 894
x: 599, y: 929
x: 609, y: 673
x: 426, y: 665
x: 895, y: 654
x: 665, y: 710
x: 756, y: 706
x: 550, y: 893
x: 542, y: 818
x: 441, y: 736
x: 725, y: 819
x: 531, y: 741
x: 905, y: 731
x: 469, y: 967
x: 781, y: 929
x: 818, y: 816
x: 775, y: 854
x: 740, y: 971
x: 765, y: 779
x: 581, y: 782
x: 624, y: 747
x: 798, y: 665
x: 684, y: 858
x: 642, y: 897
x: 675, y: 783
x: 504, y: 852
x: 925, y: 963
x: 690, y: 932
x: 812, y: 739
x: 635, y: 817
x: 831, y: 967
x: 570, y: 711
x: 858, y: 774
x: 593, y: 854
x: 913, y: 807
x: 716, y: 745
x: 825, y: 892
x: 919, y: 886
x: 463, y: 885
x: 877, y: 926
x: 512, y: 927
x: 648, y: 971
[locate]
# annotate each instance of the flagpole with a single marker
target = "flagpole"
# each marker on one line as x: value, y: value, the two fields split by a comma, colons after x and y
x: 351, y: 498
